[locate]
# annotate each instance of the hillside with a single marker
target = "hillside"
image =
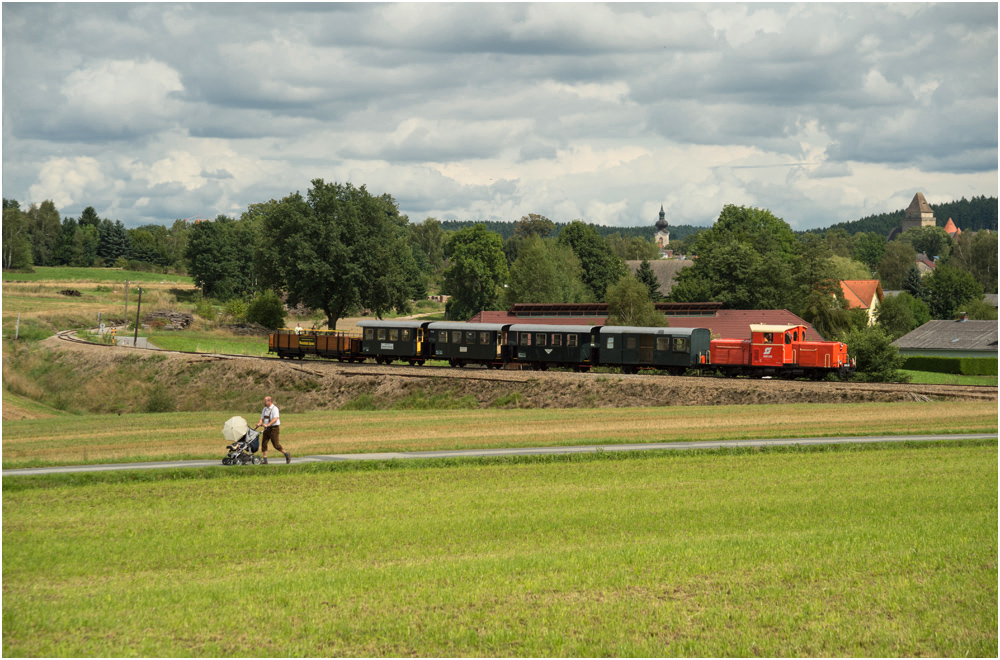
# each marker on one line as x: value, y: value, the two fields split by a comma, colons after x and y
x: 968, y: 214
x: 506, y: 229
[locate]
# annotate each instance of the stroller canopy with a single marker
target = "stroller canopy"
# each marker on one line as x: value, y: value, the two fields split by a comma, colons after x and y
x: 234, y: 429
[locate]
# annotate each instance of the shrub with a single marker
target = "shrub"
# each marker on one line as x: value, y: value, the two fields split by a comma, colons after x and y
x: 159, y: 400
x: 205, y: 309
x: 237, y: 310
x: 266, y: 309
x: 877, y: 359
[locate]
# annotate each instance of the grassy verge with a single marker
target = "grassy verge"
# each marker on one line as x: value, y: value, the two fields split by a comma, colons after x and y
x: 948, y: 379
x: 68, y: 274
x: 81, y: 439
x: 888, y: 552
x: 208, y: 342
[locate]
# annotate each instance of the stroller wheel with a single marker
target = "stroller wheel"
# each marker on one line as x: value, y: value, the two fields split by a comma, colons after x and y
x: 257, y: 460
x: 227, y: 461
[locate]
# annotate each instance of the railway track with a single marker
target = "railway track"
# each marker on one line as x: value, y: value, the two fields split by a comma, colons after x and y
x: 321, y: 368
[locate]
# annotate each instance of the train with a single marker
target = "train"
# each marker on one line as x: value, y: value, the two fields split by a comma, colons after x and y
x: 771, y: 350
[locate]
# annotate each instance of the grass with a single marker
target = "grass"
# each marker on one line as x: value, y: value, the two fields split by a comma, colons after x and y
x: 69, y: 275
x: 80, y: 439
x: 840, y: 552
x: 948, y: 379
x: 208, y: 341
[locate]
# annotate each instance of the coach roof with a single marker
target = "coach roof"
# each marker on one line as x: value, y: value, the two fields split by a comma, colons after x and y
x: 622, y: 329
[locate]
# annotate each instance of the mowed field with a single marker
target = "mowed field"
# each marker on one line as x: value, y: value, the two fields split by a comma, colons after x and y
x: 60, y: 439
x: 870, y: 551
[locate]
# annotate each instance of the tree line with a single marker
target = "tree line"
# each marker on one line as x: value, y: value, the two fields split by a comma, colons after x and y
x: 37, y: 237
x: 974, y: 214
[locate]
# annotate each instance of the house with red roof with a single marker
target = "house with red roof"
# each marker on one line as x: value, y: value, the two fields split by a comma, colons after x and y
x: 863, y: 294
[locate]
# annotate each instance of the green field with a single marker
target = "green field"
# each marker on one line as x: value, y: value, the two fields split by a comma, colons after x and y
x: 872, y: 551
x: 81, y: 439
x: 948, y: 379
x: 70, y: 275
x: 207, y: 342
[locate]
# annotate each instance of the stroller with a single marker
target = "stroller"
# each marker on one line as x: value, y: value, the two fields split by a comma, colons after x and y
x: 243, y: 451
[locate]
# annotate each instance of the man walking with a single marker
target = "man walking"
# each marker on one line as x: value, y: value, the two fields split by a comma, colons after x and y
x: 272, y: 427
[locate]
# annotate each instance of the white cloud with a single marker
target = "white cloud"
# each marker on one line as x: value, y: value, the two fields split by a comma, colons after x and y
x: 65, y: 181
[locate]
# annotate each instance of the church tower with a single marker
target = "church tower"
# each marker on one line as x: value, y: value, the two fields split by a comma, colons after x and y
x: 918, y: 213
x: 662, y: 237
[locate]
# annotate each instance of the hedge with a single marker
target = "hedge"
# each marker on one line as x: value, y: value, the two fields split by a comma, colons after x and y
x: 967, y: 366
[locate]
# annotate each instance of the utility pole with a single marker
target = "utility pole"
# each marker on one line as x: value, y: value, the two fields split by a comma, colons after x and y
x: 138, y: 310
x: 126, y: 305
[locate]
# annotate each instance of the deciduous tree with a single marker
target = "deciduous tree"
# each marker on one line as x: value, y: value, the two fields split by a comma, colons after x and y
x: 947, y: 289
x: 899, y: 256
x: 601, y: 268
x: 477, y: 273
x: 629, y: 304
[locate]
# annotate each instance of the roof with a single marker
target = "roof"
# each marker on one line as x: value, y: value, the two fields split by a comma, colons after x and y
x: 951, y: 228
x: 771, y: 328
x: 665, y: 270
x: 861, y: 294
x: 952, y: 336
x: 726, y: 323
x: 918, y: 205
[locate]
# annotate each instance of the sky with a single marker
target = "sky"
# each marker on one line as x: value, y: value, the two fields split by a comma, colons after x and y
x: 821, y: 113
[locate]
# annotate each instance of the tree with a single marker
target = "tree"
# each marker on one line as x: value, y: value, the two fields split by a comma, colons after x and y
x: 913, y: 282
x: 899, y: 256
x: 16, y: 249
x: 629, y: 305
x: 745, y: 262
x: 646, y: 275
x: 175, y: 243
x: 839, y: 242
x: 545, y: 272
x: 45, y: 230
x: 849, y: 269
x: 533, y: 224
x: 89, y: 218
x: 477, y: 273
x: 633, y: 248
x: 429, y: 239
x: 877, y: 359
x: 932, y: 241
x: 977, y: 254
x: 869, y: 248
x: 980, y: 310
x: 826, y: 309
x: 339, y: 249
x: 267, y: 310
x: 900, y: 314
x: 948, y: 289
x: 220, y: 257
x: 601, y: 268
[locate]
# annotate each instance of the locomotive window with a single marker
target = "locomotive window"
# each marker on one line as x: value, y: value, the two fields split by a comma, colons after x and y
x: 663, y: 343
x: 393, y: 334
x: 557, y: 340
x: 795, y: 335
x: 525, y: 339
x: 540, y: 339
x: 381, y: 334
x: 369, y: 333
x: 443, y: 337
x: 406, y: 335
x: 456, y: 336
x: 630, y: 343
x: 484, y: 338
x: 680, y: 344
x: 571, y: 340
x: 788, y: 338
x: 768, y: 338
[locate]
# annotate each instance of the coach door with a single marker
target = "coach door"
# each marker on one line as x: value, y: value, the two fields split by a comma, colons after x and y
x: 646, y: 343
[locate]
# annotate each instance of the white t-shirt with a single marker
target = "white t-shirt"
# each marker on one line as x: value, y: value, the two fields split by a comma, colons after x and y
x: 269, y: 413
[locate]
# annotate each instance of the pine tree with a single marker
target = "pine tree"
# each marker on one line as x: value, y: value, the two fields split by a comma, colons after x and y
x: 646, y: 276
x: 913, y: 283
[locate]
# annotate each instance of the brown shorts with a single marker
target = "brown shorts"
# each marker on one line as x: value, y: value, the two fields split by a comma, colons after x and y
x: 271, y: 434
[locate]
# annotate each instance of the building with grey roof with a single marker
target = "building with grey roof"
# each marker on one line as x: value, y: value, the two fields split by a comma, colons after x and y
x: 951, y: 339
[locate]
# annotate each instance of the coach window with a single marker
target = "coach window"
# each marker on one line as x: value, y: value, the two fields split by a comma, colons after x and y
x: 571, y: 340
x: 406, y: 335
x: 456, y: 336
x: 611, y: 342
x: 484, y: 338
x: 470, y: 338
x: 525, y: 339
x: 381, y: 334
x: 443, y: 337
x: 630, y: 343
x: 663, y: 343
x: 369, y: 333
x: 393, y: 334
x: 540, y: 339
x: 680, y: 344
x: 557, y: 340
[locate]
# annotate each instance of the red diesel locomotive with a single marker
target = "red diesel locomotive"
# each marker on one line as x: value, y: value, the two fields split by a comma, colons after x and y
x: 780, y: 350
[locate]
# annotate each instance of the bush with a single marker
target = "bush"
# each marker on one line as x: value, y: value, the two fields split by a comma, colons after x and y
x: 205, y: 309
x: 877, y: 359
x: 266, y: 309
x: 237, y: 310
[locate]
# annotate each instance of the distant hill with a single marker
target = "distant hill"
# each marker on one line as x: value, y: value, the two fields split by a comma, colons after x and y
x: 968, y: 214
x: 506, y: 229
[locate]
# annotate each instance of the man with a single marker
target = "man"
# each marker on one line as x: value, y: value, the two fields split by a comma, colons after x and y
x: 272, y: 427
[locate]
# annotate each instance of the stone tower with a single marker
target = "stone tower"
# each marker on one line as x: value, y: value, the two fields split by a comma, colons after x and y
x: 918, y: 213
x: 662, y: 237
